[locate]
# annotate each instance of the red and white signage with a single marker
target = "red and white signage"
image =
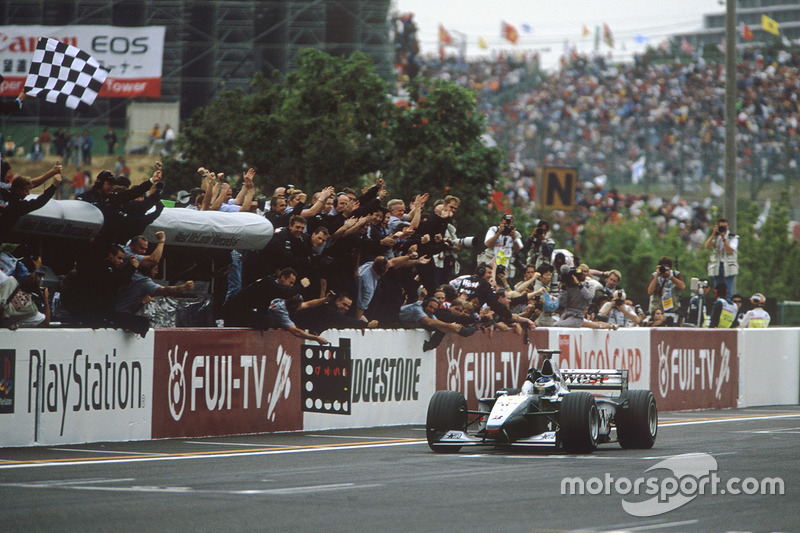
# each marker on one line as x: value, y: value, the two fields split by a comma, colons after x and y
x: 132, y: 55
x: 480, y: 365
x: 228, y: 381
x: 694, y: 369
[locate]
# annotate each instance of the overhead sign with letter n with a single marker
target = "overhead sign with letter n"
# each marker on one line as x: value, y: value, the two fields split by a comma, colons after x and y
x: 558, y: 187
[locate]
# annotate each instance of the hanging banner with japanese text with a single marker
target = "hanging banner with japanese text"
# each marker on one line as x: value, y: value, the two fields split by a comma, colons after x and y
x: 133, y: 56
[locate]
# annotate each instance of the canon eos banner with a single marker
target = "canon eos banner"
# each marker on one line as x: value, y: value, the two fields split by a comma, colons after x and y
x: 481, y: 364
x: 694, y: 369
x: 228, y: 381
x: 132, y: 55
x: 74, y: 385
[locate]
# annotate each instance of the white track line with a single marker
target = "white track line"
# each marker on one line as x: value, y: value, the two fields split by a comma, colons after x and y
x: 180, y: 457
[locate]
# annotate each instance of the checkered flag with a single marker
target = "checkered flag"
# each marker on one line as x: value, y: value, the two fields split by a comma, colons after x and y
x: 64, y: 74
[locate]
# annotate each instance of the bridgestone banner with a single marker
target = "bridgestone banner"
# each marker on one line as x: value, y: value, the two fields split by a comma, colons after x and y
x: 132, y: 55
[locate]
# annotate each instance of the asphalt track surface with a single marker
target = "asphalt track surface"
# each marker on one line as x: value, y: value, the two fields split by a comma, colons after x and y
x: 387, y: 479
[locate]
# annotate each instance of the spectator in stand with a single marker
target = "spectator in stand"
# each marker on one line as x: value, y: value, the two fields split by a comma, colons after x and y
x: 663, y: 288
x: 574, y: 299
x: 223, y: 194
x: 549, y: 314
x: 86, y: 148
x: 502, y: 243
x: 277, y: 214
x: 60, y: 140
x: 619, y: 312
x: 696, y: 314
x: 445, y: 262
x: 723, y: 312
x: 756, y: 317
x: 46, y: 140
x: 7, y: 107
x: 111, y: 140
x: 23, y: 304
x: 281, y: 310
x: 737, y: 300
x: 90, y: 294
x: 74, y: 150
x: 375, y: 240
x: 35, y: 153
x: 18, y: 206
x: 196, y: 198
x: 121, y: 168
x: 331, y: 315
x: 7, y: 178
x: 142, y: 289
x: 137, y: 247
x: 422, y: 314
x: 169, y: 139
x: 368, y: 275
x: 122, y: 220
x: 155, y: 134
x: 613, y: 277
x: 656, y: 320
x: 249, y: 306
x: 78, y: 183
x: 226, y: 204
x: 724, y: 262
x: 540, y: 245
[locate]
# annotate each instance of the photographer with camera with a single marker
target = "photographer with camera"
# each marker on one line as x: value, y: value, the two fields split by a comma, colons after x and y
x: 539, y: 245
x: 445, y: 263
x: 619, y: 312
x: 663, y: 290
x: 697, y: 312
x: 723, y: 266
x: 502, y: 242
x: 574, y: 298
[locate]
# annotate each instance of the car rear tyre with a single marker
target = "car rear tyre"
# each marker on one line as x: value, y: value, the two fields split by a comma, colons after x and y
x: 446, y: 411
x: 579, y: 426
x: 637, y: 425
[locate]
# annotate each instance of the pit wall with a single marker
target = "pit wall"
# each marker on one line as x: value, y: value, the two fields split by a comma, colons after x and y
x: 71, y: 386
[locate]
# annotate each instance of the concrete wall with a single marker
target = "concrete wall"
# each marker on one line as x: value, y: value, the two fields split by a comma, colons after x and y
x: 79, y: 385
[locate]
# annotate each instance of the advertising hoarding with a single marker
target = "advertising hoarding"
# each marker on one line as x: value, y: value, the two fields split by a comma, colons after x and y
x: 133, y: 55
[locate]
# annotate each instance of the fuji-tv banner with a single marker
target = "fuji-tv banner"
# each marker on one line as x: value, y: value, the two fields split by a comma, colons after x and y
x: 132, y: 55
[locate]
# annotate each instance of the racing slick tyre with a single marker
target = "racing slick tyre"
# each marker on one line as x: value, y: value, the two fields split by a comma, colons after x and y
x: 637, y: 425
x: 446, y: 411
x: 579, y: 426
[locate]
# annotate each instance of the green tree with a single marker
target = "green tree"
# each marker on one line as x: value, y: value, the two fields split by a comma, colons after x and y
x: 768, y: 257
x: 331, y: 121
x: 438, y: 148
x: 328, y: 126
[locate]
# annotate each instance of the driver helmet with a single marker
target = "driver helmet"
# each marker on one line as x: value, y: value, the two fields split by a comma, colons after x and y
x: 545, y: 385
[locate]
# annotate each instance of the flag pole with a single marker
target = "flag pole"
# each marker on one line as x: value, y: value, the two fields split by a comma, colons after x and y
x: 730, y: 115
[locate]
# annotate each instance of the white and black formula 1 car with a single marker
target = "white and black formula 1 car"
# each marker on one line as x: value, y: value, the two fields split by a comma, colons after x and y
x: 573, y: 409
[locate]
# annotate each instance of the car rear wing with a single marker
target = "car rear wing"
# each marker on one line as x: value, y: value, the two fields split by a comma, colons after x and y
x: 595, y: 379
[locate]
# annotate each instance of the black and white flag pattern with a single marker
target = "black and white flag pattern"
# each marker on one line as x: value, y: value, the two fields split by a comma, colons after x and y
x: 64, y: 74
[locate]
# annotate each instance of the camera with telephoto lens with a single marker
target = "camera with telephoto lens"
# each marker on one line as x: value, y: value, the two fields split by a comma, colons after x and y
x: 619, y: 302
x: 638, y: 309
x: 465, y: 242
x: 721, y: 228
x: 663, y: 269
x: 507, y: 230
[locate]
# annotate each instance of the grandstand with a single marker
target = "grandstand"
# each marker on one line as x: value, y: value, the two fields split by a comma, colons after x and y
x: 748, y: 12
x: 211, y: 44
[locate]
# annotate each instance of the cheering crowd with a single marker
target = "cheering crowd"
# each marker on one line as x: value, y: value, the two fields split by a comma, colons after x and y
x: 347, y: 260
